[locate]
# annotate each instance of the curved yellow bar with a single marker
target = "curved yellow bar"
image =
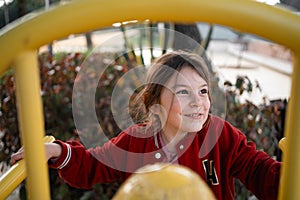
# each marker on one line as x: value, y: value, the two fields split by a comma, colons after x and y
x: 15, y: 175
x: 283, y: 27
x: 80, y: 16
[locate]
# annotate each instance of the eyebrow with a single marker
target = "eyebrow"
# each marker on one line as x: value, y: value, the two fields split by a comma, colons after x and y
x: 186, y: 85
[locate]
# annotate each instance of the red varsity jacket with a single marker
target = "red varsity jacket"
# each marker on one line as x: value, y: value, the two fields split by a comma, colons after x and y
x: 218, y: 153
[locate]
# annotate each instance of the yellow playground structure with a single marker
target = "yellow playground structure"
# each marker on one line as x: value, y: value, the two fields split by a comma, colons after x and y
x: 19, y: 43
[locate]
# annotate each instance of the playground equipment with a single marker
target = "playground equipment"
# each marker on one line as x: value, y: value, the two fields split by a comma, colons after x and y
x: 20, y: 40
x: 164, y: 181
x: 15, y: 175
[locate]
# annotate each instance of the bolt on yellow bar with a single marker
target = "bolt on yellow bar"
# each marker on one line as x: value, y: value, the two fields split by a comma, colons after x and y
x: 15, y: 175
x: 31, y: 122
x: 290, y: 175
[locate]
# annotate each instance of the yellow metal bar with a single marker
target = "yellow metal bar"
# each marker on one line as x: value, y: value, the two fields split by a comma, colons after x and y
x: 290, y: 178
x: 15, y: 175
x: 79, y: 16
x: 249, y: 16
x: 31, y: 121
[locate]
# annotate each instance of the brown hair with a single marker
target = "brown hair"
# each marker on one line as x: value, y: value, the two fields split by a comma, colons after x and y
x: 159, y: 74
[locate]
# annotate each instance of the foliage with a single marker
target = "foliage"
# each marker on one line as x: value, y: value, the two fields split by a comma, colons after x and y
x: 262, y: 124
x: 8, y: 117
x: 57, y: 80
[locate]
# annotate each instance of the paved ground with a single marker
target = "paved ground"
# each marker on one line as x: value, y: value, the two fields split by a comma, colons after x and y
x: 273, y: 75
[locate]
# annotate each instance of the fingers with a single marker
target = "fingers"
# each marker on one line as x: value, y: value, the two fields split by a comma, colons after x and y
x: 15, y: 157
x: 21, y: 149
x: 52, y: 151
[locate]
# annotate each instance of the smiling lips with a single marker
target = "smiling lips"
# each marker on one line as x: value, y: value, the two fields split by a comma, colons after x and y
x: 194, y: 115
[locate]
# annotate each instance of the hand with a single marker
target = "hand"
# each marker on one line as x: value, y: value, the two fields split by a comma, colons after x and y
x: 53, y: 150
x: 19, y: 155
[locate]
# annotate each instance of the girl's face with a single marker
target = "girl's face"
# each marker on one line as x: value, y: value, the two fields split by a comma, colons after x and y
x: 184, y: 102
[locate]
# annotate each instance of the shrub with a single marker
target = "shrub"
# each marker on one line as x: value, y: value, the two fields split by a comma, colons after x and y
x: 262, y: 124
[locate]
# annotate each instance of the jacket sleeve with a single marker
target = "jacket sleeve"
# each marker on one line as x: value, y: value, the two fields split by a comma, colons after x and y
x: 79, y: 168
x: 258, y: 171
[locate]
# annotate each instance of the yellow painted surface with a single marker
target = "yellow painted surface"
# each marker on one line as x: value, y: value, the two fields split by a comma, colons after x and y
x: 164, y: 181
x: 15, y: 175
x: 31, y: 122
x: 79, y: 16
x: 282, y: 144
x: 291, y: 168
x: 19, y: 40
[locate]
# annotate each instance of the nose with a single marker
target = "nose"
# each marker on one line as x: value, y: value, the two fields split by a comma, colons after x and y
x: 196, y: 100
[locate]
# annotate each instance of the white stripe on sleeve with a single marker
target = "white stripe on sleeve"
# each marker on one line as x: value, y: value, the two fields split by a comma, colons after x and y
x: 68, y: 157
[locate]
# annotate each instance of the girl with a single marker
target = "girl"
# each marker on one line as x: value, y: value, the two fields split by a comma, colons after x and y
x: 175, y: 127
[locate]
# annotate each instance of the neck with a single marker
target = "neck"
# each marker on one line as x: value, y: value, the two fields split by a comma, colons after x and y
x: 172, y: 139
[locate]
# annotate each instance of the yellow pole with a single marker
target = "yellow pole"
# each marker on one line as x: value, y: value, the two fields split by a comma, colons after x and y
x: 290, y: 176
x: 15, y: 175
x: 31, y: 124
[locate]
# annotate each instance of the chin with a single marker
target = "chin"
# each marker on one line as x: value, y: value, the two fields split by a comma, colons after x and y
x: 194, y: 128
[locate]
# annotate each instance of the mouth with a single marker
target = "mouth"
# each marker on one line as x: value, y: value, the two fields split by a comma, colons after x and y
x: 194, y: 115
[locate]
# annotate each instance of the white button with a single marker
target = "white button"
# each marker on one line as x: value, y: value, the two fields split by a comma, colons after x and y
x: 181, y: 147
x: 157, y: 155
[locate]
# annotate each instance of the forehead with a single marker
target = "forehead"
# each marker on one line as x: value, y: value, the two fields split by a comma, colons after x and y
x: 186, y: 76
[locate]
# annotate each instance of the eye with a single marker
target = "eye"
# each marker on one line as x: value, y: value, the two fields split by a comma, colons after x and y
x: 182, y: 92
x: 204, y: 91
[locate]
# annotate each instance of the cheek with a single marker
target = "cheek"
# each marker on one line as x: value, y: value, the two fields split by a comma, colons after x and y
x: 166, y: 105
x: 176, y: 107
x: 167, y: 100
x: 207, y: 103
